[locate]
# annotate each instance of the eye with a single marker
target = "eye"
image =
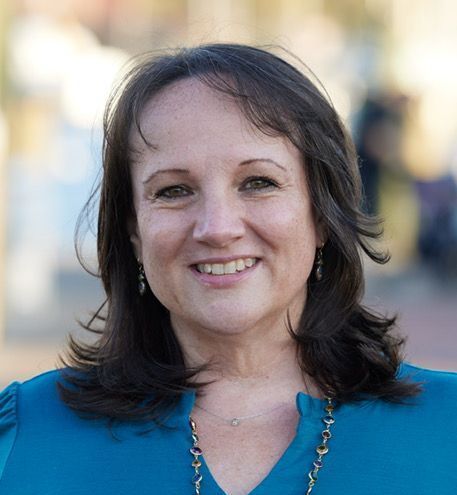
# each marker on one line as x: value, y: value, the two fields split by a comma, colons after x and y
x: 173, y: 192
x: 259, y: 184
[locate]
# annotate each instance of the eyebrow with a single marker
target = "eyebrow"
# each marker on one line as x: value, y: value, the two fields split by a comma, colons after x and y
x: 268, y: 160
x: 166, y: 171
x: 187, y: 172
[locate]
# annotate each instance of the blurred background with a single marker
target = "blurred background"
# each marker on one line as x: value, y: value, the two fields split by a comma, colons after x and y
x: 389, y: 66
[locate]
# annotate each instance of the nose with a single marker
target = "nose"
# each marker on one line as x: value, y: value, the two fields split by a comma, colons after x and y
x: 219, y: 221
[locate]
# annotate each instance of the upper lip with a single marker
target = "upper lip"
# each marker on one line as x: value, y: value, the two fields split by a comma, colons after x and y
x: 222, y: 260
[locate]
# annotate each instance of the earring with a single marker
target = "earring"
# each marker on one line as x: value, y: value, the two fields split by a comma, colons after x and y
x: 319, y: 271
x: 141, y: 279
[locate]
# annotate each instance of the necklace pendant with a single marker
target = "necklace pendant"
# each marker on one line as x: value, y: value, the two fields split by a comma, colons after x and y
x: 235, y: 422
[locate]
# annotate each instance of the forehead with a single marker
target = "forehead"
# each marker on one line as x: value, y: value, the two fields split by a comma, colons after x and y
x: 184, y: 96
x: 189, y: 117
x: 192, y: 107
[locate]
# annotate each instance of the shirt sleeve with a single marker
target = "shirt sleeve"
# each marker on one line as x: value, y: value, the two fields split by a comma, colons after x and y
x: 8, y: 423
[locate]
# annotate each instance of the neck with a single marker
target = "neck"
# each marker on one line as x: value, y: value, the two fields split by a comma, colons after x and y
x: 245, y: 365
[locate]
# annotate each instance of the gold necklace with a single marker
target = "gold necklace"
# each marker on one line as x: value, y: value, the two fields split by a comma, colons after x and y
x: 321, y: 449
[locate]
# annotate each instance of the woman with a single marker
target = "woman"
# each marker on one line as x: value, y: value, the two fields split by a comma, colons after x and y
x: 229, y: 240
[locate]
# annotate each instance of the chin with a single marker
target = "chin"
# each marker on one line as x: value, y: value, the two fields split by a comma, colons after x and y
x: 226, y: 321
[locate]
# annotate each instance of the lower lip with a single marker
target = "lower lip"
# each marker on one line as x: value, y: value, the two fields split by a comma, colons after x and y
x: 222, y: 281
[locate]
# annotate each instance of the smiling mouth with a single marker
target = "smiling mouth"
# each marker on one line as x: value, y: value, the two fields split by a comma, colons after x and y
x: 234, y: 266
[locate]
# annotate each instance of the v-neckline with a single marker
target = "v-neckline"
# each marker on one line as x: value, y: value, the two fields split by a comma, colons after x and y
x: 302, y: 446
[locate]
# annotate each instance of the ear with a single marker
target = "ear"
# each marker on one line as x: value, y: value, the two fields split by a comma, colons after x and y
x: 321, y: 240
x: 135, y: 239
x: 321, y: 234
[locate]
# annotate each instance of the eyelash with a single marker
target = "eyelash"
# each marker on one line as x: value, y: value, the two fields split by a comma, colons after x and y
x: 265, y: 183
x: 164, y: 193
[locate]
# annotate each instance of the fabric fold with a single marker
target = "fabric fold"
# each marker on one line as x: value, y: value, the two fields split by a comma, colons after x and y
x: 8, y: 423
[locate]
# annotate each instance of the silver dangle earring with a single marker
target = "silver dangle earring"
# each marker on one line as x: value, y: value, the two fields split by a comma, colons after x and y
x: 319, y: 271
x: 141, y: 279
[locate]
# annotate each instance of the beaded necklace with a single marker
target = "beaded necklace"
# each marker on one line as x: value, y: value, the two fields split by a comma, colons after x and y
x: 321, y: 449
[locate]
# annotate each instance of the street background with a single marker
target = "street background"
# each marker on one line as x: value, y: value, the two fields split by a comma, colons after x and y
x: 389, y: 66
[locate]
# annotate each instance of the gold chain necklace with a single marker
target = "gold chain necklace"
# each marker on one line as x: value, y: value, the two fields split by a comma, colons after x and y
x: 321, y: 449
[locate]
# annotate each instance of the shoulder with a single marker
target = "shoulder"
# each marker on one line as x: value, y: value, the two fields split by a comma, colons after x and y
x: 426, y: 411
x: 42, y: 383
x: 8, y: 423
x: 438, y: 389
x: 40, y: 391
x: 41, y: 388
x: 433, y: 382
x: 15, y: 402
x: 37, y: 395
x: 30, y: 401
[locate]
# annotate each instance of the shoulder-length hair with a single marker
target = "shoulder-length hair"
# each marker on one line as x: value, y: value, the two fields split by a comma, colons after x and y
x: 136, y: 368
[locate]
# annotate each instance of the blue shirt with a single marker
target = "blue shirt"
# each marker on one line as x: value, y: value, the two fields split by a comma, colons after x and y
x: 376, y: 448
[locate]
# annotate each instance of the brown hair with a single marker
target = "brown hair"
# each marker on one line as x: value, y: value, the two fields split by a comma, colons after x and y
x: 136, y: 367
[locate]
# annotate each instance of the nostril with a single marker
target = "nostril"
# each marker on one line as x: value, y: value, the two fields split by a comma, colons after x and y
x: 218, y: 233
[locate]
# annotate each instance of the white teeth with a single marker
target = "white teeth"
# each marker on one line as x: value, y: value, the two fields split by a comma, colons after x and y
x: 217, y: 269
x: 227, y: 268
x: 230, y: 267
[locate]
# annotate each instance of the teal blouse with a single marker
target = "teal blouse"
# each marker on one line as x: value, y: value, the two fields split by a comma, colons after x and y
x: 376, y: 448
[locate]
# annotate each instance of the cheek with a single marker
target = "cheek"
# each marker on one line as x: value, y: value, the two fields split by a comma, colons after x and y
x: 291, y: 234
x: 157, y: 238
x: 289, y: 226
x: 159, y: 253
x: 164, y: 238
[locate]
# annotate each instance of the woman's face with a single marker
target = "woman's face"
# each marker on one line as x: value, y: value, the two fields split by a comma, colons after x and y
x: 224, y: 224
